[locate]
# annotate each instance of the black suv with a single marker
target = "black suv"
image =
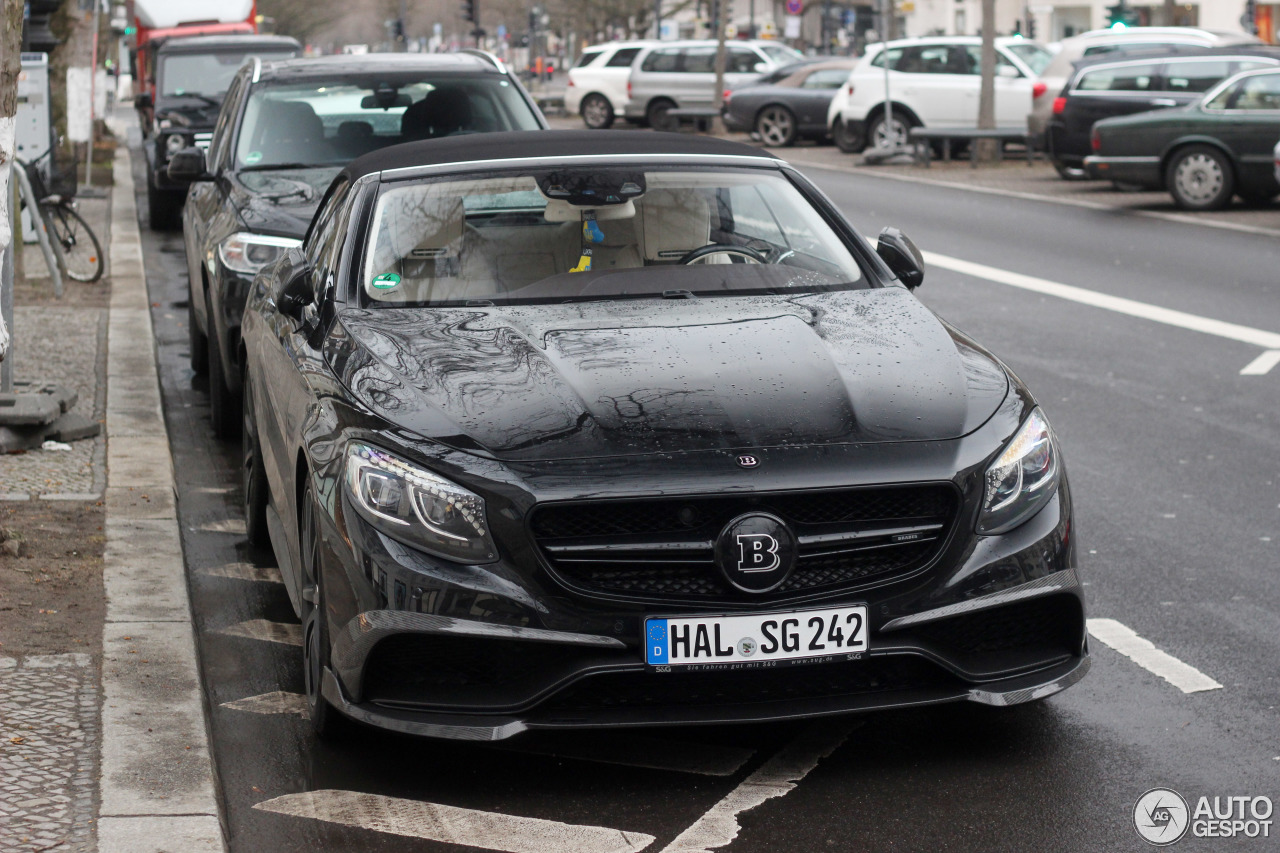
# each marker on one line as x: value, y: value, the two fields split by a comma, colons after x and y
x: 285, y: 130
x: 1150, y: 80
x: 192, y: 75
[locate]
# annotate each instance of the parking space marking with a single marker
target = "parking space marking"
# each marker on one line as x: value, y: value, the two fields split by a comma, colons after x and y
x: 1262, y: 365
x: 244, y: 572
x: 1118, y: 304
x: 288, y: 633
x: 775, y: 778
x: 276, y: 702
x: 705, y: 759
x: 1124, y: 640
x: 454, y: 825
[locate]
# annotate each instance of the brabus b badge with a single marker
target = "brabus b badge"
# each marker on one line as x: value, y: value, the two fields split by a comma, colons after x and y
x: 746, y: 461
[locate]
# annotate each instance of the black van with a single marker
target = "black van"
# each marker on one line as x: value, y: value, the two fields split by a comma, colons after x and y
x: 1160, y: 78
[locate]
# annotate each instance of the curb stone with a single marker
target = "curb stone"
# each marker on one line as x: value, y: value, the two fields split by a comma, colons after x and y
x: 156, y: 788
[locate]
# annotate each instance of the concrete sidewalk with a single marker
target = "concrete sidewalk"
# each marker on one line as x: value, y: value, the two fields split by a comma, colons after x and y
x: 157, y: 791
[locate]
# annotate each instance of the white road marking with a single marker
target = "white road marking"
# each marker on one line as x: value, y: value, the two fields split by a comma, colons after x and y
x: 288, y: 633
x: 278, y: 702
x: 775, y: 778
x: 244, y: 572
x: 1186, y: 678
x: 1182, y: 218
x: 1146, y: 311
x: 705, y: 759
x: 1262, y: 365
x: 453, y: 825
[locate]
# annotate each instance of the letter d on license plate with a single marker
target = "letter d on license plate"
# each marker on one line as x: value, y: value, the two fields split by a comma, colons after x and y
x: 756, y: 637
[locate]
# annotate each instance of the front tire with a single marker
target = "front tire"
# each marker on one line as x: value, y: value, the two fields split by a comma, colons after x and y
x: 597, y: 112
x: 1200, y: 177
x: 199, y: 343
x: 76, y: 245
x: 845, y: 139
x: 659, y: 116
x: 776, y: 126
x: 326, y: 722
x: 224, y: 406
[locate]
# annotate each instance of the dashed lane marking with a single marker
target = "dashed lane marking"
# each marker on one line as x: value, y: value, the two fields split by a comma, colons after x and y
x: 637, y: 751
x: 1262, y: 365
x: 277, y: 702
x: 288, y: 633
x: 775, y: 778
x: 1124, y: 640
x: 244, y: 572
x: 1118, y: 304
x: 453, y: 825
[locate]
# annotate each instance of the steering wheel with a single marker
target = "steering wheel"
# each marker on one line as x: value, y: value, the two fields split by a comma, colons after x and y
x: 722, y: 248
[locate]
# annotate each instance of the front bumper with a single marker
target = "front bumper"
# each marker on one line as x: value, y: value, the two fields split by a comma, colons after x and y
x: 485, y: 652
x: 1144, y: 171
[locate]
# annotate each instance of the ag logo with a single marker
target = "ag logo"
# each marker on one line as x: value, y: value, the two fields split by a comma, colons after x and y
x: 1161, y: 816
x: 756, y: 552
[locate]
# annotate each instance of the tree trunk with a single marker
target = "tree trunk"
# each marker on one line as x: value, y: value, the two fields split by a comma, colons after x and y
x: 10, y: 66
x: 1170, y: 13
x: 723, y: 8
x: 985, y: 149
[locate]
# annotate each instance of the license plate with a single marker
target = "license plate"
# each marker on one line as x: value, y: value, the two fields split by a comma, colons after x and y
x: 757, y: 638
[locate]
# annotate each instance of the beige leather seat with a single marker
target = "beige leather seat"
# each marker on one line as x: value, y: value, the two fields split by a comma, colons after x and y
x: 672, y: 224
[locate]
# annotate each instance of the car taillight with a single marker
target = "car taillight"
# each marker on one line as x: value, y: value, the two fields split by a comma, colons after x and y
x: 1038, y: 89
x: 570, y: 84
x: 850, y: 88
x: 726, y: 95
x: 1059, y: 104
x: 628, y: 90
x: 1095, y: 141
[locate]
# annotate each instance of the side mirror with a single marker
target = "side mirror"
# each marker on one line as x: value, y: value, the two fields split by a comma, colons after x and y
x: 761, y: 67
x: 1008, y: 72
x: 901, y: 256
x: 142, y: 101
x: 293, y: 290
x: 187, y: 166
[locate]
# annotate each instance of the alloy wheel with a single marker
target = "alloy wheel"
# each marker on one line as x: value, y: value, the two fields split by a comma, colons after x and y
x: 597, y: 113
x: 890, y: 134
x: 776, y: 126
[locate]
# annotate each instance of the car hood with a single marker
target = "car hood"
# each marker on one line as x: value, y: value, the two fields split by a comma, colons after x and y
x: 537, y: 383
x: 280, y: 202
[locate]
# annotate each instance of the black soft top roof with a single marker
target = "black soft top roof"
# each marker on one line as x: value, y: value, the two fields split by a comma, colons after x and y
x: 544, y: 143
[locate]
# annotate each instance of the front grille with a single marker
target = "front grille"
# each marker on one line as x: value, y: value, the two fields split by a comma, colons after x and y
x: 203, y: 140
x: 614, y: 691
x: 662, y: 549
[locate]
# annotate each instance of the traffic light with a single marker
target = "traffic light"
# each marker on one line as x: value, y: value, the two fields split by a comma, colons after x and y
x: 1031, y: 27
x: 469, y: 11
x: 1119, y: 16
x: 397, y: 29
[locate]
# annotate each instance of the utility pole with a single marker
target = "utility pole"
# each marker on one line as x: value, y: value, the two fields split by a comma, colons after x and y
x: 986, y: 148
x: 717, y: 125
x: 657, y: 18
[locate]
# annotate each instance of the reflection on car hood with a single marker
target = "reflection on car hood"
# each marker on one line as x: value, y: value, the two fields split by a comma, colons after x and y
x: 280, y: 202
x: 533, y: 383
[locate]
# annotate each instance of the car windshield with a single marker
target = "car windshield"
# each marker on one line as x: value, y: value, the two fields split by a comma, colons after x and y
x: 329, y: 122
x: 207, y: 73
x: 1035, y: 56
x: 528, y: 237
x: 781, y: 54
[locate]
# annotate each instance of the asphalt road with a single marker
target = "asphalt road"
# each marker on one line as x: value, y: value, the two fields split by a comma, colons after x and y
x: 1175, y: 465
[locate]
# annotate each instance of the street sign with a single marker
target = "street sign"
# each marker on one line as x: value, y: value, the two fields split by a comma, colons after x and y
x: 795, y: 7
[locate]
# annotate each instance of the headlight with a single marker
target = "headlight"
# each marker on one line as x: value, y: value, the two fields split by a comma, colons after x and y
x: 1023, y: 479
x: 248, y: 253
x: 174, y: 143
x: 418, y: 507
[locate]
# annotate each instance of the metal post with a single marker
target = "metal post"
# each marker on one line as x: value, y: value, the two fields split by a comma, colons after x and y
x: 93, y: 73
x: 657, y: 19
x: 886, y: 9
x: 752, y: 19
x: 42, y: 233
x: 6, y: 285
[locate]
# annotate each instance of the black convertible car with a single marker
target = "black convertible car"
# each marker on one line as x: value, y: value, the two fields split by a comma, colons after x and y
x: 556, y: 430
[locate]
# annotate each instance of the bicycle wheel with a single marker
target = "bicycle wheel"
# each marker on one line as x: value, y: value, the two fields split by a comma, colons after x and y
x: 75, y: 244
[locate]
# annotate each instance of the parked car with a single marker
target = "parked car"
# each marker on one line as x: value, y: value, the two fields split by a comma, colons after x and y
x: 668, y: 74
x: 597, y: 86
x: 285, y: 130
x: 934, y: 82
x: 1114, y: 43
x: 789, y: 104
x: 1105, y: 88
x: 191, y: 78
x: 564, y: 431
x: 1204, y: 153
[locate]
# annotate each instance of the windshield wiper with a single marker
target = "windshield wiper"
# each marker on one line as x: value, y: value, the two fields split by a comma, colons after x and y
x: 678, y: 294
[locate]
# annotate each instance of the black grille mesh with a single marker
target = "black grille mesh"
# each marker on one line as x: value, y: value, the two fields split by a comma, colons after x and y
x: 1053, y: 621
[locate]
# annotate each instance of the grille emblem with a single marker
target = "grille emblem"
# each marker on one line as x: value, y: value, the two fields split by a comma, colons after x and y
x: 746, y: 461
x: 756, y: 552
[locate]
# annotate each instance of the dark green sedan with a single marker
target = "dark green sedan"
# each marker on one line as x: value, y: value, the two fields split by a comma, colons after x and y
x: 1203, y: 153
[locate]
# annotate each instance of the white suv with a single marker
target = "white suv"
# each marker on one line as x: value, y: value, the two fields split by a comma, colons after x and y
x: 597, y: 88
x: 934, y: 82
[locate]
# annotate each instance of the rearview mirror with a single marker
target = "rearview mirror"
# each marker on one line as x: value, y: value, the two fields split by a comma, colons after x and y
x: 187, y: 166
x: 901, y: 256
x: 293, y: 290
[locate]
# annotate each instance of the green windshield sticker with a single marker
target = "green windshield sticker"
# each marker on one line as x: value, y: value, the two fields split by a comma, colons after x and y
x: 386, y: 281
x: 252, y: 157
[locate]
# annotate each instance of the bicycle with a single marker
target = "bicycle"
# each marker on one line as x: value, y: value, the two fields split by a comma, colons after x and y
x: 75, y: 246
